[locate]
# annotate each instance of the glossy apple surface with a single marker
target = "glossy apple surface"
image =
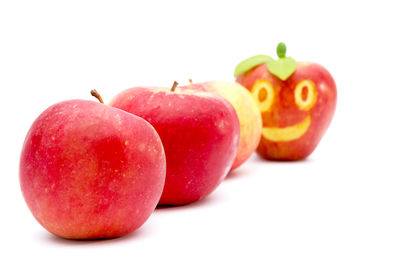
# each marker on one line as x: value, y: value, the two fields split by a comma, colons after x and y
x: 247, y: 111
x: 89, y: 171
x: 200, y: 134
x: 295, y: 112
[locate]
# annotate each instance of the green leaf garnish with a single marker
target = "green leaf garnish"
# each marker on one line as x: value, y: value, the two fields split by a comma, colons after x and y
x: 283, y: 68
x: 250, y: 63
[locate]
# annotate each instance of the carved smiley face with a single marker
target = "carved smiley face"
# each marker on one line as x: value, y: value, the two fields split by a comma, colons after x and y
x: 293, y: 101
x: 295, y: 111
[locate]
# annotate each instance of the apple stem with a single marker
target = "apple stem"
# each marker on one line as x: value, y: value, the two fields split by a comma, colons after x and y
x: 190, y: 81
x: 96, y: 95
x: 174, y: 86
x: 281, y: 50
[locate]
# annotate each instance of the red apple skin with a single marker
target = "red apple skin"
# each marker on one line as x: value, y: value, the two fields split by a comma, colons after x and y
x: 200, y: 134
x: 284, y: 112
x: 91, y: 171
x: 247, y: 111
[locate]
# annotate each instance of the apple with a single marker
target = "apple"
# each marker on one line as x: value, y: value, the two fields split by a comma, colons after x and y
x: 247, y: 111
x: 200, y: 134
x: 88, y: 170
x: 297, y: 101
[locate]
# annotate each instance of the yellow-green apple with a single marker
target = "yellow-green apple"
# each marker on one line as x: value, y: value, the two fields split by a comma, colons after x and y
x: 297, y: 101
x: 247, y: 111
x: 88, y: 170
x: 200, y: 134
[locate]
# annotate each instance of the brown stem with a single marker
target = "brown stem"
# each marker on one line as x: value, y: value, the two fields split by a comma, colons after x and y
x: 174, y: 86
x: 96, y: 95
x: 190, y: 81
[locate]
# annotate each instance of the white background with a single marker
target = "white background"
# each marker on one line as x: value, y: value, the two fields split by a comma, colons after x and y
x: 338, y: 208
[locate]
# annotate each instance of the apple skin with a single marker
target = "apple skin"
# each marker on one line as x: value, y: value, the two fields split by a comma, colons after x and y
x: 200, y: 134
x: 90, y: 171
x: 247, y: 111
x: 284, y: 111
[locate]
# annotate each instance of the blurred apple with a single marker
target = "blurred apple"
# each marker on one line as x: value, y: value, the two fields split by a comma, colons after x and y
x: 200, y: 134
x: 247, y: 111
x: 297, y: 102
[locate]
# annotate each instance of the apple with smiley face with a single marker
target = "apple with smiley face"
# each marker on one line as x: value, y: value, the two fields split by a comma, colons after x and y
x: 297, y: 101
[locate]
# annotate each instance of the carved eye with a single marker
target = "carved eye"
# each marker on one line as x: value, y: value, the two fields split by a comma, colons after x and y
x: 263, y: 92
x: 305, y: 94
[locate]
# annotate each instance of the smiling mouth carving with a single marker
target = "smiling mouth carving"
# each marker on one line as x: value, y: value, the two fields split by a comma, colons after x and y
x: 287, y: 133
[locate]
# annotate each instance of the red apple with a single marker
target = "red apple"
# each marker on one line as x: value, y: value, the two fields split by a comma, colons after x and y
x: 297, y: 102
x: 88, y: 170
x: 247, y: 111
x: 200, y: 134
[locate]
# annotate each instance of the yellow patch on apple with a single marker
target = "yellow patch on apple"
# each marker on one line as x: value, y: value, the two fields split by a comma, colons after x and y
x: 287, y: 133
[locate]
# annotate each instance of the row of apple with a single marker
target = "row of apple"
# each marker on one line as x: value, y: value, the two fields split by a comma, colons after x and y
x: 90, y: 170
